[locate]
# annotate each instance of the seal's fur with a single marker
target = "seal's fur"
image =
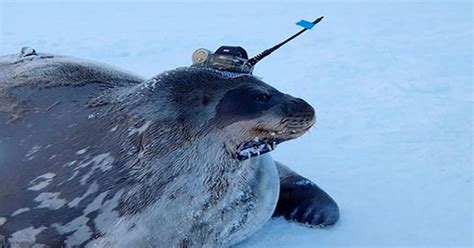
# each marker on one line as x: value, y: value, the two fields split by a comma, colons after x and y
x: 88, y: 152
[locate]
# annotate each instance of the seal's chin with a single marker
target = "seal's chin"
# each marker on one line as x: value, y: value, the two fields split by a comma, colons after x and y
x: 265, y: 141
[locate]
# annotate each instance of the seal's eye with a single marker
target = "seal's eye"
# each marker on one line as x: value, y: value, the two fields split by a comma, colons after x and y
x: 263, y: 97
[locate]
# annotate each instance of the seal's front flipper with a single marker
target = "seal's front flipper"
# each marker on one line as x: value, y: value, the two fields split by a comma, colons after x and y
x: 303, y: 201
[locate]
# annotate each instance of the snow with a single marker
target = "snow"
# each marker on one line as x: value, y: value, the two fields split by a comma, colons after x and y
x: 391, y: 83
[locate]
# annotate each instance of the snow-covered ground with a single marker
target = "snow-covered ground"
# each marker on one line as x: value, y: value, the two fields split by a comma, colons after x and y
x: 391, y: 83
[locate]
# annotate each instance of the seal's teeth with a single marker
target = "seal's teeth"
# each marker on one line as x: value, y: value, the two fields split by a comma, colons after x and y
x: 269, y: 147
x: 272, y: 133
x: 256, y: 139
x: 244, y: 152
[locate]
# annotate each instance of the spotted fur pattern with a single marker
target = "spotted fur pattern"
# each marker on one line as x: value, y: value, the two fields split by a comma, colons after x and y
x: 94, y: 155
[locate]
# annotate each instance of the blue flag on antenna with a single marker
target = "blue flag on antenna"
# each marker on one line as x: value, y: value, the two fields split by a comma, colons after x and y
x: 305, y: 24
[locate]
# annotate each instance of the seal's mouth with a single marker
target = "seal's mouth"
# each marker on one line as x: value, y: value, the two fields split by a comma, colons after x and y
x: 266, y: 141
x: 256, y: 147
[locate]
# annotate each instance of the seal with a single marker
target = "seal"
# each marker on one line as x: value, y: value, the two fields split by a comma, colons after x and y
x: 92, y: 155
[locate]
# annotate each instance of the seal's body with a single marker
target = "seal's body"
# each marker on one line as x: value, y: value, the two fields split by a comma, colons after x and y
x: 92, y: 155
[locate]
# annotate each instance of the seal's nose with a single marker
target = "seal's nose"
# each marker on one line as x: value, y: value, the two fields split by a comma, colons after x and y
x: 299, y: 114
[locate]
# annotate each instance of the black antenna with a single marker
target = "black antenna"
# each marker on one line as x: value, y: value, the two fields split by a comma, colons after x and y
x: 254, y: 60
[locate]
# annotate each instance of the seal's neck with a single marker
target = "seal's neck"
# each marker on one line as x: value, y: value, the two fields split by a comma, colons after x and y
x: 174, y: 146
x: 203, y: 153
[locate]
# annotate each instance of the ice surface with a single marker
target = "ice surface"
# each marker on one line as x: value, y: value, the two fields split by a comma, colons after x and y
x: 391, y: 84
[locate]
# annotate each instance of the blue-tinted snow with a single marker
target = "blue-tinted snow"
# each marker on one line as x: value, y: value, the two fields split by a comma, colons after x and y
x: 391, y: 83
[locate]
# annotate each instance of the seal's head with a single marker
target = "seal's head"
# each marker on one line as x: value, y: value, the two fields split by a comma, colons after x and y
x: 249, y: 115
x: 256, y: 117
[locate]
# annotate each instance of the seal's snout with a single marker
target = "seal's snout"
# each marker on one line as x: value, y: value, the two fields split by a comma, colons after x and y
x: 258, y: 117
x: 300, y: 116
x: 284, y: 121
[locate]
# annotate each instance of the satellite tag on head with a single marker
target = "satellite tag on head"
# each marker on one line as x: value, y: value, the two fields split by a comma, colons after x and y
x: 235, y: 58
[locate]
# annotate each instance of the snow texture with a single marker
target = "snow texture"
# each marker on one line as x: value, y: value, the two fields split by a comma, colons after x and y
x: 391, y: 83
